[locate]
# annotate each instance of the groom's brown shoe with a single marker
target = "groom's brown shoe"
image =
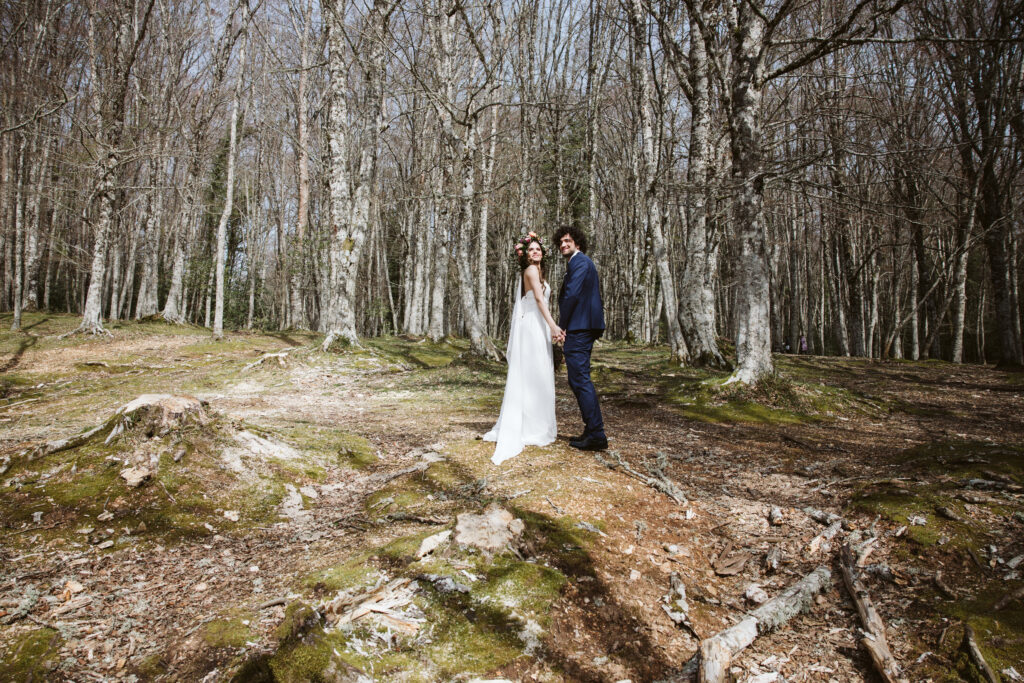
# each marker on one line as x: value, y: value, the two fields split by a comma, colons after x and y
x: 590, y: 443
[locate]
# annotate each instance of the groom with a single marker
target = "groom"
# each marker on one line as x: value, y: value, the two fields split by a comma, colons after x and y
x: 580, y: 316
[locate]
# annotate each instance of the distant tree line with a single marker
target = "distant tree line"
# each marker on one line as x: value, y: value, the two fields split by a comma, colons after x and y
x: 847, y: 172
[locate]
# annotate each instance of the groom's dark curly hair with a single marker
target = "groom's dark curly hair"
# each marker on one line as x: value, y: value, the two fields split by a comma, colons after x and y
x: 575, y: 233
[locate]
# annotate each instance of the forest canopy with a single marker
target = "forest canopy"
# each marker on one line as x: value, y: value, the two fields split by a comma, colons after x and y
x: 752, y: 176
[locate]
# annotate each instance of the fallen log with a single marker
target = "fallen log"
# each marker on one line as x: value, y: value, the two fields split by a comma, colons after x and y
x: 874, y: 628
x: 720, y: 648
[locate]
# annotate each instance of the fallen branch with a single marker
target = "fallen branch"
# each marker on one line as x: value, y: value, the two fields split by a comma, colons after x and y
x: 974, y: 652
x: 943, y: 588
x: 821, y: 541
x: 273, y: 603
x: 874, y: 628
x: 658, y: 482
x: 724, y: 645
x: 407, y: 517
x: 281, y: 356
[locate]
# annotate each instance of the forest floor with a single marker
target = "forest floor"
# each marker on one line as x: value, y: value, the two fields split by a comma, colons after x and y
x: 311, y: 479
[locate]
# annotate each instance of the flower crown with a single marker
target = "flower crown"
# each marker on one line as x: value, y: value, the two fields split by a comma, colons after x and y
x: 524, y: 243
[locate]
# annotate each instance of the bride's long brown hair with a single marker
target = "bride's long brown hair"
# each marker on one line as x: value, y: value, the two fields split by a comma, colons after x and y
x: 522, y: 254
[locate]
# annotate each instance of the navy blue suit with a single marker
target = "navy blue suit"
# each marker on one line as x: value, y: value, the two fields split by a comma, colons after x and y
x: 581, y: 315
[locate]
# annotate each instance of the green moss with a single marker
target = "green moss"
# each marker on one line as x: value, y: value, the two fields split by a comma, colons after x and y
x: 526, y: 587
x: 221, y: 633
x: 31, y: 656
x: 302, y: 662
x: 468, y: 637
x: 1000, y: 635
x: 298, y: 618
x: 354, y: 573
x: 150, y: 667
x: 345, y: 448
x: 899, y: 505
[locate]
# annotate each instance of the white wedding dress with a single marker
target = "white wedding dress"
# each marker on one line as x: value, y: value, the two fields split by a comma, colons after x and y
x: 528, y: 410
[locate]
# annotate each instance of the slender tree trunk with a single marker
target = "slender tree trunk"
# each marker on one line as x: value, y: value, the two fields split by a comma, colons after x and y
x: 697, y: 300
x: 33, y: 226
x: 650, y: 200
x: 753, y: 338
x: 229, y: 191
x: 350, y: 210
x: 298, y: 269
x: 19, y: 236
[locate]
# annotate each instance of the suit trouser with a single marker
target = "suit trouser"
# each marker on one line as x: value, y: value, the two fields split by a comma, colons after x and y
x: 576, y: 349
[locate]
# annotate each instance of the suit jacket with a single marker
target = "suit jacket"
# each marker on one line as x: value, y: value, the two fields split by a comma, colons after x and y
x: 579, y: 299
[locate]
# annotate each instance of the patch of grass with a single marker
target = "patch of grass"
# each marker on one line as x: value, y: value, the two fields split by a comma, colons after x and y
x: 31, y: 656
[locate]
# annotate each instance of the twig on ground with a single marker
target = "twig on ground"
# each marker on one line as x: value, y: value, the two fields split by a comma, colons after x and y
x: 658, y: 482
x: 552, y: 504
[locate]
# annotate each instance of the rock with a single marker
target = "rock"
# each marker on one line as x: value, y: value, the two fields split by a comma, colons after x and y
x: 37, y: 517
x: 432, y: 456
x: 491, y: 531
x: 105, y: 516
x: 917, y: 520
x: 1014, y: 562
x: 232, y: 515
x: 431, y: 543
x: 309, y: 492
x: 200, y: 587
x: 755, y: 594
x: 291, y: 506
x: 775, y: 516
x: 106, y: 544
x: 446, y: 584
x: 634, y: 575
x: 141, y: 528
x: 136, y: 476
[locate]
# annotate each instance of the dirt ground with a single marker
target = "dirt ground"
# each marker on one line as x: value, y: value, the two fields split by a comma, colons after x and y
x: 924, y: 457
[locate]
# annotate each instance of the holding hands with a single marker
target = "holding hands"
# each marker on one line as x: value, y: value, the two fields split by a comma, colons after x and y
x: 557, y: 335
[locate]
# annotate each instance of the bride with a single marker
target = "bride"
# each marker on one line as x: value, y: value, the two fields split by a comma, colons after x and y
x: 527, y: 415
